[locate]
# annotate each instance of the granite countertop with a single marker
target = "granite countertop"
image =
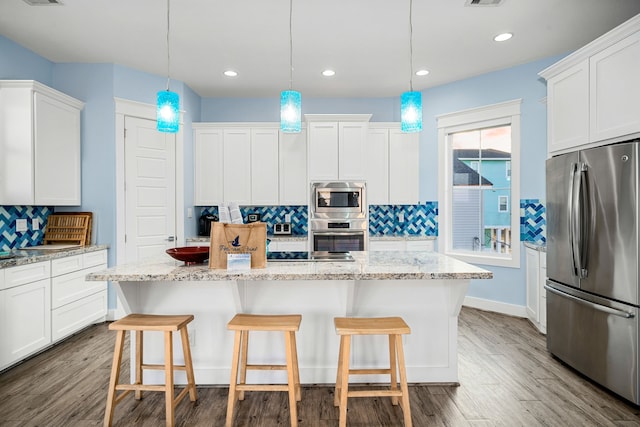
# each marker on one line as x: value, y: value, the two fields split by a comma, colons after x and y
x: 31, y: 256
x: 402, y: 237
x: 383, y: 265
x: 295, y: 238
x: 542, y: 247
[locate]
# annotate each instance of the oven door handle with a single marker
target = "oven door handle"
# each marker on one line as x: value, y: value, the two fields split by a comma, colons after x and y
x: 337, y: 233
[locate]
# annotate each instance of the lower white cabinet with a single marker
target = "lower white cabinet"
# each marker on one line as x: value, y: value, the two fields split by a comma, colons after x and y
x: 25, y: 312
x: 402, y: 245
x: 536, y: 275
x: 75, y: 302
x: 43, y: 302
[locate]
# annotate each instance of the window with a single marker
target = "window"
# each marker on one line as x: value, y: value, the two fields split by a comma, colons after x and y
x: 478, y: 190
x: 503, y: 203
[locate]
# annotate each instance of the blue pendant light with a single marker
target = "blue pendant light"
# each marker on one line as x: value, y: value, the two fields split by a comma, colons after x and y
x: 411, y: 102
x: 290, y: 100
x: 168, y: 110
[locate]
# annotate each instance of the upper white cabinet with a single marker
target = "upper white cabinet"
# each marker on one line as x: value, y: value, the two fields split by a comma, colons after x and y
x: 293, y: 168
x: 615, y: 90
x: 336, y: 146
x: 392, y: 165
x: 592, y: 94
x: 236, y: 163
x: 39, y: 145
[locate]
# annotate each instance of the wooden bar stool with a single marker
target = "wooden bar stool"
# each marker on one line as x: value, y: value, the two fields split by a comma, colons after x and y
x: 394, y: 327
x: 245, y: 323
x: 150, y: 322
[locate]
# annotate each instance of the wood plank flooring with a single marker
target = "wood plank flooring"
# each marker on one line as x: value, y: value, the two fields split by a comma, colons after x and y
x: 507, y: 379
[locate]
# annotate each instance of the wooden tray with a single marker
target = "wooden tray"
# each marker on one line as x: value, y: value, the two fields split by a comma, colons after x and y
x: 69, y: 227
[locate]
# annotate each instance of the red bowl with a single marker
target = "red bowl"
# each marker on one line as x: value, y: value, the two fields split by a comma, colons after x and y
x: 190, y: 254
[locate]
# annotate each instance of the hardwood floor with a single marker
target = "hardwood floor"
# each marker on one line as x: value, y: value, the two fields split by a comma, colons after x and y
x: 507, y: 379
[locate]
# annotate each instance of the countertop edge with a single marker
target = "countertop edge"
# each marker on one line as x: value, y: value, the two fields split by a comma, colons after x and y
x: 34, y: 256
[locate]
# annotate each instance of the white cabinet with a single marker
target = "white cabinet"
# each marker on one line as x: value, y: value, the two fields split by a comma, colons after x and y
x: 264, y: 166
x: 402, y: 245
x: 592, y: 94
x: 236, y: 163
x: 392, y: 165
x: 25, y: 311
x: 615, y: 90
x: 39, y: 145
x: 75, y: 302
x: 208, y: 148
x: 293, y: 183
x: 536, y: 275
x: 336, y: 146
x: 568, y: 108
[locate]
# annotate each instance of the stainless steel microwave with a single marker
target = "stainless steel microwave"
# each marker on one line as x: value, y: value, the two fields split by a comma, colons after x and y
x: 338, y: 199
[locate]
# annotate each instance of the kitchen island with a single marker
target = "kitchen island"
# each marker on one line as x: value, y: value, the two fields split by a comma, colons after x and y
x: 425, y: 288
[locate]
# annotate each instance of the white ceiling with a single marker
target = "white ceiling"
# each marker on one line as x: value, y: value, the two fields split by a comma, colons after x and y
x: 365, y: 41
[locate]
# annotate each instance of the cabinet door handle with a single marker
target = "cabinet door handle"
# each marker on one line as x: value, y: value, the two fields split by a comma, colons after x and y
x: 171, y: 239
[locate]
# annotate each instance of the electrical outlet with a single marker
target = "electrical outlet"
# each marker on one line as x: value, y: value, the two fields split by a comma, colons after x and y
x: 192, y: 337
x: 21, y: 225
x: 401, y: 217
x: 35, y: 224
x: 189, y: 212
x: 287, y: 218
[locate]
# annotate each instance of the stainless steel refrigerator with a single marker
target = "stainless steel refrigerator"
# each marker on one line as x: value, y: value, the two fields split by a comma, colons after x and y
x: 592, y: 264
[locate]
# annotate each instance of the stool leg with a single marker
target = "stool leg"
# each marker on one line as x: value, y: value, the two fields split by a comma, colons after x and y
x: 336, y: 394
x: 296, y: 367
x: 139, y: 359
x: 291, y: 381
x: 234, y: 379
x: 243, y: 362
x: 392, y: 367
x: 115, y: 375
x: 406, y: 410
x: 344, y: 378
x: 188, y: 363
x: 168, y: 374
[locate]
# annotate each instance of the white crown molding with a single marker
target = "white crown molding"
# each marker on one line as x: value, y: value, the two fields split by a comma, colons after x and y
x: 39, y: 87
x: 337, y: 117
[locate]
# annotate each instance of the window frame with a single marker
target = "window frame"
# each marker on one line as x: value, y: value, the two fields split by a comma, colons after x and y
x: 505, y: 204
x: 501, y: 114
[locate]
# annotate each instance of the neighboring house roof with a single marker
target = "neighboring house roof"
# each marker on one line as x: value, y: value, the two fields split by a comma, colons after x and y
x: 465, y: 175
x: 488, y: 154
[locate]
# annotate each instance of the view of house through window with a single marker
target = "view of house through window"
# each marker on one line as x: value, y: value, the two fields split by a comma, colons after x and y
x: 481, y: 190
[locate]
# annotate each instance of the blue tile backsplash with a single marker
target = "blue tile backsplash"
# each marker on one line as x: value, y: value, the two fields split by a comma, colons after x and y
x: 421, y: 220
x: 10, y: 238
x: 533, y: 221
x: 274, y: 214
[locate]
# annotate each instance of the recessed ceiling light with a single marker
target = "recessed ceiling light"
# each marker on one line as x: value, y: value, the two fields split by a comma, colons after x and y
x: 230, y: 73
x: 503, y: 37
x: 328, y: 73
x: 422, y: 72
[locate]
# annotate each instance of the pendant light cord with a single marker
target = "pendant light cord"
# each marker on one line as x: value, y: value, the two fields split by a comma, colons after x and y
x: 168, y: 49
x: 290, y: 44
x: 411, y: 45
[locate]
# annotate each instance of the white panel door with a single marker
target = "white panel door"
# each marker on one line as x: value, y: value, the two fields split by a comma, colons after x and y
x: 208, y: 165
x: 615, y: 90
x: 377, y: 166
x: 150, y: 186
x: 352, y: 139
x: 323, y: 151
x: 237, y: 166
x: 264, y: 167
x: 294, y: 186
x: 404, y: 164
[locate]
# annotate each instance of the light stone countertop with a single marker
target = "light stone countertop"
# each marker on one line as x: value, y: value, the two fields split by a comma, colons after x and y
x: 541, y: 247
x: 37, y: 255
x: 381, y: 265
x: 297, y: 237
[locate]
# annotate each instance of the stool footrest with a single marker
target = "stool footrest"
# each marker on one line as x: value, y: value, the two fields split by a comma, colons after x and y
x: 369, y: 371
x: 372, y: 393
x: 262, y: 387
x: 162, y: 367
x: 141, y: 387
x: 267, y: 367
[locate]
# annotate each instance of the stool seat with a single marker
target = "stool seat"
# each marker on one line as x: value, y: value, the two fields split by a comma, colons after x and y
x: 139, y: 323
x: 394, y: 327
x: 242, y: 324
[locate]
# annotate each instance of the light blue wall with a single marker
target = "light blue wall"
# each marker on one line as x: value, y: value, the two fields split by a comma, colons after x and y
x: 18, y: 63
x: 508, y: 284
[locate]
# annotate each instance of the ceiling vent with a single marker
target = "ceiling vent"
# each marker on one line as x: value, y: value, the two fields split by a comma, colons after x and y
x: 44, y: 2
x: 474, y: 3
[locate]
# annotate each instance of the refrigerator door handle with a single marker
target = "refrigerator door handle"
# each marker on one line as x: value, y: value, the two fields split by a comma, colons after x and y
x: 573, y: 221
x: 599, y: 307
x: 585, y: 220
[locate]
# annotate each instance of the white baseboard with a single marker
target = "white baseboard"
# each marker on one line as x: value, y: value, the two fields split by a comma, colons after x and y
x: 495, y: 306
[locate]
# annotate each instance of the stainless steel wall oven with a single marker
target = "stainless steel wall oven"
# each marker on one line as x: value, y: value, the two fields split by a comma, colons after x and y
x: 338, y: 216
